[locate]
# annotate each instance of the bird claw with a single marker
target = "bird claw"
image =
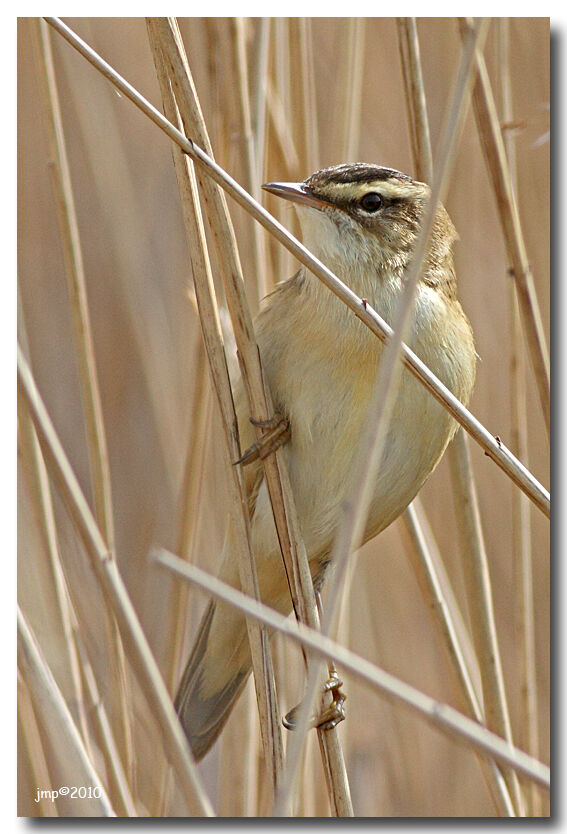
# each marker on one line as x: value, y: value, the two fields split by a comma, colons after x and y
x: 278, y: 433
x: 335, y: 712
x: 330, y: 716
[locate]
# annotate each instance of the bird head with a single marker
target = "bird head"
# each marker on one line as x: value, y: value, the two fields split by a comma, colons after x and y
x: 363, y: 216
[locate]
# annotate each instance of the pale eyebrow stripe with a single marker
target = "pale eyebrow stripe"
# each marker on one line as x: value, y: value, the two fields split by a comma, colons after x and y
x: 389, y: 190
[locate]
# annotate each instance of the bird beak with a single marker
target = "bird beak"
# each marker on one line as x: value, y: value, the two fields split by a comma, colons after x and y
x: 296, y: 192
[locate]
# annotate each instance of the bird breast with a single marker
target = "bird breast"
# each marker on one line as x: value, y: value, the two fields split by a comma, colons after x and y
x: 321, y: 364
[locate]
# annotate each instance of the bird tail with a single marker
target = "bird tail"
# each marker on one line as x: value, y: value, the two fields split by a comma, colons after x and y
x: 214, y: 677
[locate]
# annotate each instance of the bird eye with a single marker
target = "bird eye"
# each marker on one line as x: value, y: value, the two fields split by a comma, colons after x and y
x: 371, y: 202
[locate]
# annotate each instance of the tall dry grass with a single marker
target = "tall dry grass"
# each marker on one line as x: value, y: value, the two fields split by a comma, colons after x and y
x: 109, y: 327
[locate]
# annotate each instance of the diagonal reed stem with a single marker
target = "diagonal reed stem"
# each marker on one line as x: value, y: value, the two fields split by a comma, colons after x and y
x: 76, y: 281
x: 58, y: 724
x: 111, y: 583
x: 80, y: 670
x: 42, y: 502
x: 440, y: 715
x: 427, y: 565
x: 33, y: 749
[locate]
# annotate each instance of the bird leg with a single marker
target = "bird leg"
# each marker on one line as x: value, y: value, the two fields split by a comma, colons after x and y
x: 278, y: 433
x: 333, y: 713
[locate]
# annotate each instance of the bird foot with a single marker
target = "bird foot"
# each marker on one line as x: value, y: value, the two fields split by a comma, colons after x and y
x: 330, y: 716
x: 278, y: 433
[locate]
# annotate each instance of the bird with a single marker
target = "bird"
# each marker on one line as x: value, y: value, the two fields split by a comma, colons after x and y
x: 320, y: 363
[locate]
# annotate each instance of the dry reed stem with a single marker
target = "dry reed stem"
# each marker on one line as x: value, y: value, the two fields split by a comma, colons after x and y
x: 239, y: 760
x: 447, y: 618
x: 280, y: 128
x: 347, y: 133
x: 209, y: 317
x: 479, y: 596
x: 415, y: 98
x: 293, y: 549
x: 417, y: 114
x: 138, y: 297
x: 193, y: 471
x: 57, y: 725
x: 278, y: 90
x: 283, y: 57
x: 116, y: 595
x: 303, y: 81
x: 439, y: 714
x: 69, y: 230
x: 493, y: 446
x: 76, y: 282
x: 488, y: 126
x: 32, y: 748
x: 527, y: 685
x: 259, y: 102
x: 527, y: 731
x: 251, y: 165
x: 288, y: 528
x: 352, y: 86
x: 43, y: 505
x: 118, y: 789
x: 281, y: 91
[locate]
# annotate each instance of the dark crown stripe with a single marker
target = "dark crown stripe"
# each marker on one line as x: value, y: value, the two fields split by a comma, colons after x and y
x: 359, y: 172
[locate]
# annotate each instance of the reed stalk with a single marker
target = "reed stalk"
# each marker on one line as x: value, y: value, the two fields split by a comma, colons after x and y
x: 33, y: 749
x: 428, y: 569
x: 43, y: 504
x: 490, y: 134
x: 80, y: 669
x: 527, y: 725
x: 210, y: 323
x: 416, y: 104
x: 114, y: 591
x: 480, y: 600
x: 252, y: 165
x: 93, y: 414
x: 440, y: 715
x: 465, y: 488
x: 193, y: 472
x: 59, y: 728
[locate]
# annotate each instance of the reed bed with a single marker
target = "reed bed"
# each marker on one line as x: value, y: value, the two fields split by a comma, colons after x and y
x: 132, y: 302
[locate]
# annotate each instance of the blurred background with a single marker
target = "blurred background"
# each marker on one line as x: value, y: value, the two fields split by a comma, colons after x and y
x: 303, y: 77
